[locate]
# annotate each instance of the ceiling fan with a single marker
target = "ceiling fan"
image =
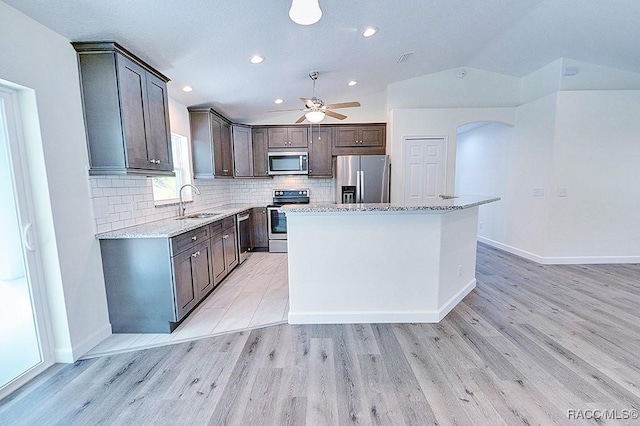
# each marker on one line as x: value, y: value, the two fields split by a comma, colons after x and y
x: 315, y: 108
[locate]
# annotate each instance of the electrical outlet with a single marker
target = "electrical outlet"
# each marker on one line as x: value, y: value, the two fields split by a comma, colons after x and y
x: 562, y: 192
x: 460, y: 271
x: 538, y: 192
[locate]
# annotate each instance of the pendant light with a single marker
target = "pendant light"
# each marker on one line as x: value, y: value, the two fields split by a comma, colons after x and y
x: 305, y: 12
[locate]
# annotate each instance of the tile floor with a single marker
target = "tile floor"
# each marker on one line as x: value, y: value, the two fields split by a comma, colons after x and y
x: 254, y: 295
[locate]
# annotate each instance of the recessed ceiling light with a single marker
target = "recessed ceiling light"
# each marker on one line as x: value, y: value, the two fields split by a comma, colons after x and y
x: 187, y: 89
x: 256, y: 59
x: 278, y: 101
x: 369, y: 31
x: 352, y: 83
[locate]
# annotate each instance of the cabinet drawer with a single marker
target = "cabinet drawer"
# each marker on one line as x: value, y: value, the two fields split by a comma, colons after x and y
x: 189, y: 239
x: 215, y: 227
x: 228, y: 222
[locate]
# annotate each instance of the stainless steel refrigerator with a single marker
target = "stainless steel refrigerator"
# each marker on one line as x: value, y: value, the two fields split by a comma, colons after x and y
x: 362, y: 179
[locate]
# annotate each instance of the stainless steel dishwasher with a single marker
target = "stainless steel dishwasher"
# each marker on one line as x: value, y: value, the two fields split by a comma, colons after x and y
x: 244, y: 236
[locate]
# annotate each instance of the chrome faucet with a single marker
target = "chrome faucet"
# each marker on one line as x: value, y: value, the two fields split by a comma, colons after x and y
x: 182, y: 207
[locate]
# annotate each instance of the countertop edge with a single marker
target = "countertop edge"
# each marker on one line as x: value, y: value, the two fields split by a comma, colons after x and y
x: 350, y: 208
x: 167, y: 228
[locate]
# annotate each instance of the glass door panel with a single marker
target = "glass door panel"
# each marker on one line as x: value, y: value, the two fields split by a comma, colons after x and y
x: 20, y: 349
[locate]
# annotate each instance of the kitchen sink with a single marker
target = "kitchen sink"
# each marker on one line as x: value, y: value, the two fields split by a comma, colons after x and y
x: 203, y: 215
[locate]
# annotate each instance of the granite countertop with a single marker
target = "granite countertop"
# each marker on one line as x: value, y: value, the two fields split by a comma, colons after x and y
x: 167, y: 228
x: 444, y: 203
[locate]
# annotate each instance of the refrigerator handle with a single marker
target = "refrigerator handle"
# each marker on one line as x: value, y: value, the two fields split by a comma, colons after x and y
x: 362, y: 186
x: 358, y: 200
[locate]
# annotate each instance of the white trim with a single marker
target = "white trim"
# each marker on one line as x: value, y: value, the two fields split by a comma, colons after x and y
x: 71, y: 355
x: 569, y: 260
x: 383, y: 317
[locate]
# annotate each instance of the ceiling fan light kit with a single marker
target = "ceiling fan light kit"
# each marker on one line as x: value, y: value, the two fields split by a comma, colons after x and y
x: 305, y: 12
x: 315, y: 116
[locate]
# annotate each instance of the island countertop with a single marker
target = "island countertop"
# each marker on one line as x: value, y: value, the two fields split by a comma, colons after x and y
x: 167, y: 228
x: 441, y: 204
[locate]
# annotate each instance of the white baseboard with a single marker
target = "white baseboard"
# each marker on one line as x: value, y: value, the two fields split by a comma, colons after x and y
x: 569, y: 260
x: 71, y: 355
x: 457, y: 298
x: 512, y: 250
x: 362, y: 317
x: 381, y: 317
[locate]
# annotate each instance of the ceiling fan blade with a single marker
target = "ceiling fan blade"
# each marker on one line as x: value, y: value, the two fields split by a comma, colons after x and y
x: 308, y: 103
x: 300, y: 120
x: 335, y: 115
x: 285, y: 110
x: 344, y: 105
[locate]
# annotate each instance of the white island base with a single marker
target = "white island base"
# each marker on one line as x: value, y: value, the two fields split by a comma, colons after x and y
x: 379, y: 266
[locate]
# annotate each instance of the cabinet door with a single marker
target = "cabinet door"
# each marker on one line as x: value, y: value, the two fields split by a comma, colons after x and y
x: 320, y: 152
x: 201, y: 144
x: 158, y: 137
x: 298, y: 137
x: 259, y: 231
x: 372, y: 136
x: 260, y: 150
x: 346, y: 136
x: 132, y: 93
x: 216, y: 141
x: 242, y: 151
x: 217, y: 253
x: 227, y: 150
x: 201, y: 263
x: 278, y: 137
x: 186, y: 293
x: 229, y: 240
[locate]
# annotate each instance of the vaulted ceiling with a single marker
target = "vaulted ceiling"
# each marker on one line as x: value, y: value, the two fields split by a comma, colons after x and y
x: 207, y: 44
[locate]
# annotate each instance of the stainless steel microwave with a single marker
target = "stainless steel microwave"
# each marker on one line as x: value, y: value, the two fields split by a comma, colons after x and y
x: 288, y: 163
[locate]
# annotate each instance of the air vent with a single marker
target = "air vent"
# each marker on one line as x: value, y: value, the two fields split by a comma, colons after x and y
x: 405, y: 57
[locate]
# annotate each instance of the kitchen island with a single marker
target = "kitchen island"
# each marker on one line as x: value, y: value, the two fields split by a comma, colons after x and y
x: 381, y: 263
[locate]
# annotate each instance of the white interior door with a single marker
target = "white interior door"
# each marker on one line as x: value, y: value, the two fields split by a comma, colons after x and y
x: 23, y: 341
x: 424, y: 169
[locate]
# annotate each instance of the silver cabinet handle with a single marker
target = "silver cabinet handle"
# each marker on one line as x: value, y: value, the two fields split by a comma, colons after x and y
x: 225, y: 171
x: 362, y: 187
x: 194, y: 238
x: 196, y: 254
x: 225, y: 236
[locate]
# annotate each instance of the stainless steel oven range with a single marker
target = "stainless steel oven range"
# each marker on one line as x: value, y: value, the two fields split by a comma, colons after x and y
x: 277, y: 221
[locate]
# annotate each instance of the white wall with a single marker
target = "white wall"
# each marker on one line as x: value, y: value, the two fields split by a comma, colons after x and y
x: 584, y: 141
x: 596, y: 157
x: 445, y: 89
x: 482, y: 166
x: 436, y: 122
x: 39, y: 59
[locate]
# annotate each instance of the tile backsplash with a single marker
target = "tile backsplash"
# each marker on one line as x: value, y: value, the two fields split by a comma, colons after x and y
x: 122, y: 201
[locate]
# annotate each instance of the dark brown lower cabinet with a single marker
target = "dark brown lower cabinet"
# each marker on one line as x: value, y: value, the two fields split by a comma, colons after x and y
x: 153, y: 283
x: 259, y: 230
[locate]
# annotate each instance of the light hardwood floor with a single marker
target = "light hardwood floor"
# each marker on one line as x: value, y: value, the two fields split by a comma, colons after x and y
x: 255, y: 294
x: 531, y: 343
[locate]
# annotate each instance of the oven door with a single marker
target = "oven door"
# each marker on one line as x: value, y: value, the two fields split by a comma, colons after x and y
x: 277, y: 224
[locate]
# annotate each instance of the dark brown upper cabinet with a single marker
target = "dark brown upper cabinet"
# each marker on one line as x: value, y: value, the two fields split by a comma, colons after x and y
x: 320, y: 164
x: 126, y: 112
x: 260, y: 147
x: 359, y: 139
x: 288, y: 137
x: 242, y: 151
x: 211, y: 144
